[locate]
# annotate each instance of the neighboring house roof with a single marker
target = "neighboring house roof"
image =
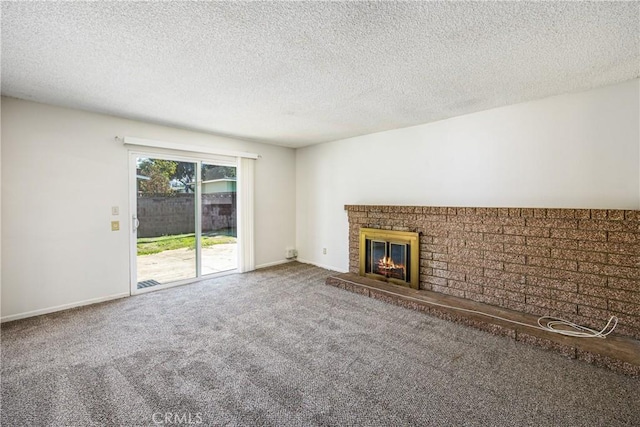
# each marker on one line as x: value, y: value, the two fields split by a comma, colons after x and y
x: 220, y: 180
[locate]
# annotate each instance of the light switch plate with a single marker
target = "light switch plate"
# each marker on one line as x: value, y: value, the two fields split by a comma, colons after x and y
x: 115, y: 210
x: 115, y: 225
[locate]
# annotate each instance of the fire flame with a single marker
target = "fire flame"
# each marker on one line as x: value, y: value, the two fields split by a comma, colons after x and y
x: 386, y: 264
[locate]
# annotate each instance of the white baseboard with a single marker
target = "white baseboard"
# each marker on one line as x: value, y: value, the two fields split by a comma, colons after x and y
x: 271, y: 264
x: 126, y: 294
x: 61, y: 307
x: 326, y: 267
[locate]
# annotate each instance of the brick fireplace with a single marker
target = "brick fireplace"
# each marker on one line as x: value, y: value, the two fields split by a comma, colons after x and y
x: 579, y: 264
x: 390, y: 255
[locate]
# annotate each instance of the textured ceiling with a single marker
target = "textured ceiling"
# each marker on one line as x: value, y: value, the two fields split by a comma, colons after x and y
x: 301, y: 73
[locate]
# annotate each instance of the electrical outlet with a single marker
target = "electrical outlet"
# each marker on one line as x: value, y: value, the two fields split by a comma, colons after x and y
x: 115, y: 225
x: 115, y: 210
x: 324, y: 251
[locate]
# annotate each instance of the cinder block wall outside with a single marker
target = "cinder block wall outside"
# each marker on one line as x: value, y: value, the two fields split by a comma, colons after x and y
x: 169, y: 215
x: 579, y: 264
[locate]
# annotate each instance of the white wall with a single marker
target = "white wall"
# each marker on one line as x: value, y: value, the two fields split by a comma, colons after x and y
x: 578, y: 150
x: 61, y: 173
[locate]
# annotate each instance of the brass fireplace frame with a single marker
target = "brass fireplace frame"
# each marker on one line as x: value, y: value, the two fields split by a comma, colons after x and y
x: 398, y: 237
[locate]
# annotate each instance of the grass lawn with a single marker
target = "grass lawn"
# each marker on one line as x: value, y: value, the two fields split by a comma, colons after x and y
x: 154, y: 245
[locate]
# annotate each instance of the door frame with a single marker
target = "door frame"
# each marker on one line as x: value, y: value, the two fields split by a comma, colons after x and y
x: 198, y: 159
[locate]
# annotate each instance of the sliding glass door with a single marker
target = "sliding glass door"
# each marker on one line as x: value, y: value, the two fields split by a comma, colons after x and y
x: 184, y: 220
x: 219, y: 218
x: 165, y: 218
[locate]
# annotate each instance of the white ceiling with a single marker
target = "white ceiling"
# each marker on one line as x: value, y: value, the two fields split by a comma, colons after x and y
x: 296, y: 74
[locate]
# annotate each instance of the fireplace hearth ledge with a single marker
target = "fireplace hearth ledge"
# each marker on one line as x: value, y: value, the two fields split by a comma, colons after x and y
x: 618, y: 353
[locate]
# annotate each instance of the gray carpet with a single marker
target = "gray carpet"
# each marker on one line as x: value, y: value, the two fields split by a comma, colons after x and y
x: 277, y: 347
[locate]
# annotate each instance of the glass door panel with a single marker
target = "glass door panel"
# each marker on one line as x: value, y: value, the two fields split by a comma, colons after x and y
x: 218, y: 218
x: 166, y: 221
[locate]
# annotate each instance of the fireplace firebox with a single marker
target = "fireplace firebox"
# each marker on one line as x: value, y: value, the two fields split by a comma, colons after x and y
x: 392, y: 256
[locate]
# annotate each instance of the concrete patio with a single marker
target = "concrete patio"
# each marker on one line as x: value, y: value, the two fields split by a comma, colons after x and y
x: 179, y: 264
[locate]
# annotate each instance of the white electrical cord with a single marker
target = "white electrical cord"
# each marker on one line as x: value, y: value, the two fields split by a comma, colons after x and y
x: 578, y: 331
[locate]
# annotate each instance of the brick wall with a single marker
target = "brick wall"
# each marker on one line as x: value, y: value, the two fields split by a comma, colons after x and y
x: 579, y: 264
